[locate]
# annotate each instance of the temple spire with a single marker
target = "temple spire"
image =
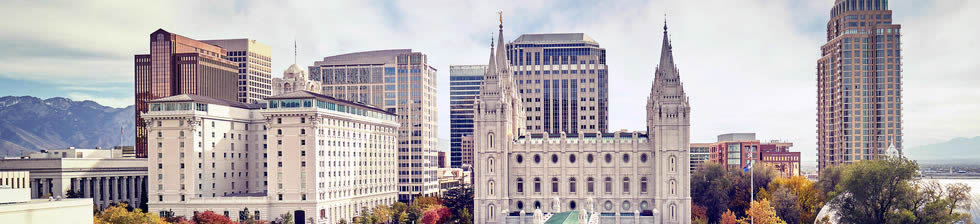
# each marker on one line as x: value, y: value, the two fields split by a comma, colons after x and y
x: 666, y: 53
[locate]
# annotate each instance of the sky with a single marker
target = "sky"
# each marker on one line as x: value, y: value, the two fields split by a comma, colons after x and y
x: 747, y: 65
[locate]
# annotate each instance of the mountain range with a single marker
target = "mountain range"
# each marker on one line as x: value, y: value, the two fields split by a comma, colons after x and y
x: 31, y: 124
x: 957, y: 150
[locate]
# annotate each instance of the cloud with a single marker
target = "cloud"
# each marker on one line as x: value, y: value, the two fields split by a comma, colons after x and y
x: 748, y: 66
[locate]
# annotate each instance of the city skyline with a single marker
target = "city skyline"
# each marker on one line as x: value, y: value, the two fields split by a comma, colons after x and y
x: 718, y: 68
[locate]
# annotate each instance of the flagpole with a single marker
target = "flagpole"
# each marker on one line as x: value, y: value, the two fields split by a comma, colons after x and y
x: 752, y: 181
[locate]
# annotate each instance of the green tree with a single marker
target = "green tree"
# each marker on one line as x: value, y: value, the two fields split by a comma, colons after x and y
x: 285, y: 218
x: 457, y: 200
x: 710, y: 187
x: 382, y: 214
x: 784, y: 201
x: 872, y: 191
x: 931, y: 203
x: 465, y: 217
x: 763, y: 213
x: 828, y: 179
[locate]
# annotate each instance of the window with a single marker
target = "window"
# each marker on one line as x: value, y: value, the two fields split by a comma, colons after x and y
x: 537, y: 159
x: 571, y: 185
x: 626, y: 158
x: 672, y: 164
x: 491, y: 188
x: 590, y: 185
x: 554, y: 185
x: 608, y: 185
x: 643, y: 157
x: 571, y: 158
x: 490, y: 140
x: 643, y: 185
x: 490, y: 163
x: 626, y: 185
x: 537, y: 185
x: 608, y: 158
x: 520, y: 185
x: 554, y: 158
x: 520, y: 159
x: 589, y: 158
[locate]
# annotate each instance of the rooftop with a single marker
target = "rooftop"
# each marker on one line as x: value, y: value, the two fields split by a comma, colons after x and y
x: 307, y: 94
x: 204, y: 99
x: 551, y: 38
x: 364, y: 57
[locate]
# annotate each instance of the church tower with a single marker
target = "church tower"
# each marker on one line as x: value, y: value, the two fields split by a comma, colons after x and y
x: 668, y: 125
x: 498, y: 120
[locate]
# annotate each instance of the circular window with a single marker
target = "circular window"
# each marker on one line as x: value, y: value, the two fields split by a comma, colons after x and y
x: 572, y: 205
x: 537, y: 159
x: 644, y: 205
x: 626, y: 206
x: 608, y: 205
x: 589, y: 158
x: 626, y: 158
x: 554, y: 158
x: 608, y: 158
x: 571, y: 158
x: 643, y: 157
x: 537, y: 204
x: 520, y: 205
x: 520, y: 159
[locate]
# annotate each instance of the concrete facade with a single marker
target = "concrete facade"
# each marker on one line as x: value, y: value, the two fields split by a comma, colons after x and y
x: 623, y: 176
x: 402, y: 82
x: 294, y: 79
x: 106, y: 181
x: 318, y: 158
x: 254, y: 60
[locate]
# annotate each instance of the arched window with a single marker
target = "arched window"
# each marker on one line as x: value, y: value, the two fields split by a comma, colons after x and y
x: 571, y: 185
x: 520, y: 205
x: 554, y: 158
x: 537, y: 158
x: 537, y: 185
x: 571, y: 158
x: 159, y: 134
x: 673, y: 164
x: 302, y: 131
x: 673, y: 211
x: 589, y: 158
x: 537, y: 204
x: 643, y: 157
x: 643, y: 185
x: 520, y: 185
x: 590, y: 185
x: 279, y: 131
x: 608, y: 185
x: 626, y: 158
x: 554, y: 185
x: 608, y: 158
x: 181, y: 133
x: 673, y: 186
x: 490, y: 140
x: 520, y: 159
x: 572, y: 205
x: 490, y: 164
x: 491, y: 188
x: 490, y: 211
x: 626, y: 185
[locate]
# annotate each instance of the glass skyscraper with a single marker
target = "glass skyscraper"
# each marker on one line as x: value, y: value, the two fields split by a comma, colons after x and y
x: 464, y: 89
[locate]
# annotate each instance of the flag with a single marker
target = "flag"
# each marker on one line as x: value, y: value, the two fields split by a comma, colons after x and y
x: 748, y: 167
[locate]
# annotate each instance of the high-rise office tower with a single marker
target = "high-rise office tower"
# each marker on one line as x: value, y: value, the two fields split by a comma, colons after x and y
x: 859, y: 84
x: 564, y: 82
x: 254, y: 61
x: 464, y: 89
x: 401, y: 82
x: 180, y: 65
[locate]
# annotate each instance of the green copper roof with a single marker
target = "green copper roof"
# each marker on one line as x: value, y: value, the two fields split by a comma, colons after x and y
x: 569, y: 217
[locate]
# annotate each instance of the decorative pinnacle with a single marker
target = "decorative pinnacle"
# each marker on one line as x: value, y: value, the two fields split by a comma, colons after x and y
x: 500, y: 15
x: 665, y: 22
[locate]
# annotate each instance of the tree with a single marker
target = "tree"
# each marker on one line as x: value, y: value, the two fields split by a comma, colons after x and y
x: 809, y: 199
x: 118, y: 214
x: 931, y: 203
x: 178, y: 220
x: 73, y: 194
x: 465, y: 217
x: 414, y: 213
x: 828, y: 179
x: 143, y: 199
x: 762, y: 213
x: 285, y: 219
x: 871, y: 191
x: 785, y: 204
x: 698, y: 212
x: 342, y: 221
x: 382, y: 214
x: 209, y: 217
x: 710, y: 187
x: 728, y: 218
x: 436, y: 214
x: 425, y: 202
x: 403, y: 217
x: 457, y: 200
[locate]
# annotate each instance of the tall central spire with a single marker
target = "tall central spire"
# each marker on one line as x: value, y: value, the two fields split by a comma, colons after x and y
x: 666, y: 53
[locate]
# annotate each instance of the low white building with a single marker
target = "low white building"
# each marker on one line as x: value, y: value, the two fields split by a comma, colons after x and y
x: 315, y: 157
x: 16, y: 205
x: 101, y: 174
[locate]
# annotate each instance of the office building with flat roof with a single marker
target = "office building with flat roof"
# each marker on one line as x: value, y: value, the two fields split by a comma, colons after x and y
x: 464, y: 89
x: 563, y: 80
x: 402, y: 82
x: 254, y: 61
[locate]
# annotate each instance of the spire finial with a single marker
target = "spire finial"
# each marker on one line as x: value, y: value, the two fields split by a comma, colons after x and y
x: 491, y: 39
x: 665, y: 22
x: 500, y: 15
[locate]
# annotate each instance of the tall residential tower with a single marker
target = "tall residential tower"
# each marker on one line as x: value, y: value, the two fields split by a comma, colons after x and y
x: 859, y: 84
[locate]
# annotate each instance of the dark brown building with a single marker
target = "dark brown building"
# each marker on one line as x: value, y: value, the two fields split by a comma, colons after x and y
x: 859, y: 84
x: 180, y: 65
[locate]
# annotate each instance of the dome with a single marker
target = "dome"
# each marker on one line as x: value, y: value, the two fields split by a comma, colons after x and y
x: 293, y: 71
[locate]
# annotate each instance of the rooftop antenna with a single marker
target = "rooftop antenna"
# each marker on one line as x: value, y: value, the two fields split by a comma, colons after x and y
x: 294, y: 50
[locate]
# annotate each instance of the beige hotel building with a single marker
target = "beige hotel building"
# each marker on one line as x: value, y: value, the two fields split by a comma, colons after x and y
x: 315, y: 157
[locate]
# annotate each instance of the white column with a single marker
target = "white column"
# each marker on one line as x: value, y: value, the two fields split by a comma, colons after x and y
x: 132, y: 188
x: 86, y: 187
x: 97, y: 190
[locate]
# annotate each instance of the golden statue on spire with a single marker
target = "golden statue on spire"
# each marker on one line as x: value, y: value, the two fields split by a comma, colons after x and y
x: 500, y: 14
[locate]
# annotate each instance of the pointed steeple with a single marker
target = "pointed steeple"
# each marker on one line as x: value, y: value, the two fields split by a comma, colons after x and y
x: 492, y: 64
x: 666, y: 53
x: 501, y: 46
x: 666, y: 83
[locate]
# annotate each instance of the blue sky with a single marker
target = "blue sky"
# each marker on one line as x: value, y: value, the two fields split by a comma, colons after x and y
x: 748, y: 65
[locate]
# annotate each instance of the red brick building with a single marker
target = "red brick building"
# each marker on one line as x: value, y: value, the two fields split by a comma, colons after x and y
x: 735, y: 150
